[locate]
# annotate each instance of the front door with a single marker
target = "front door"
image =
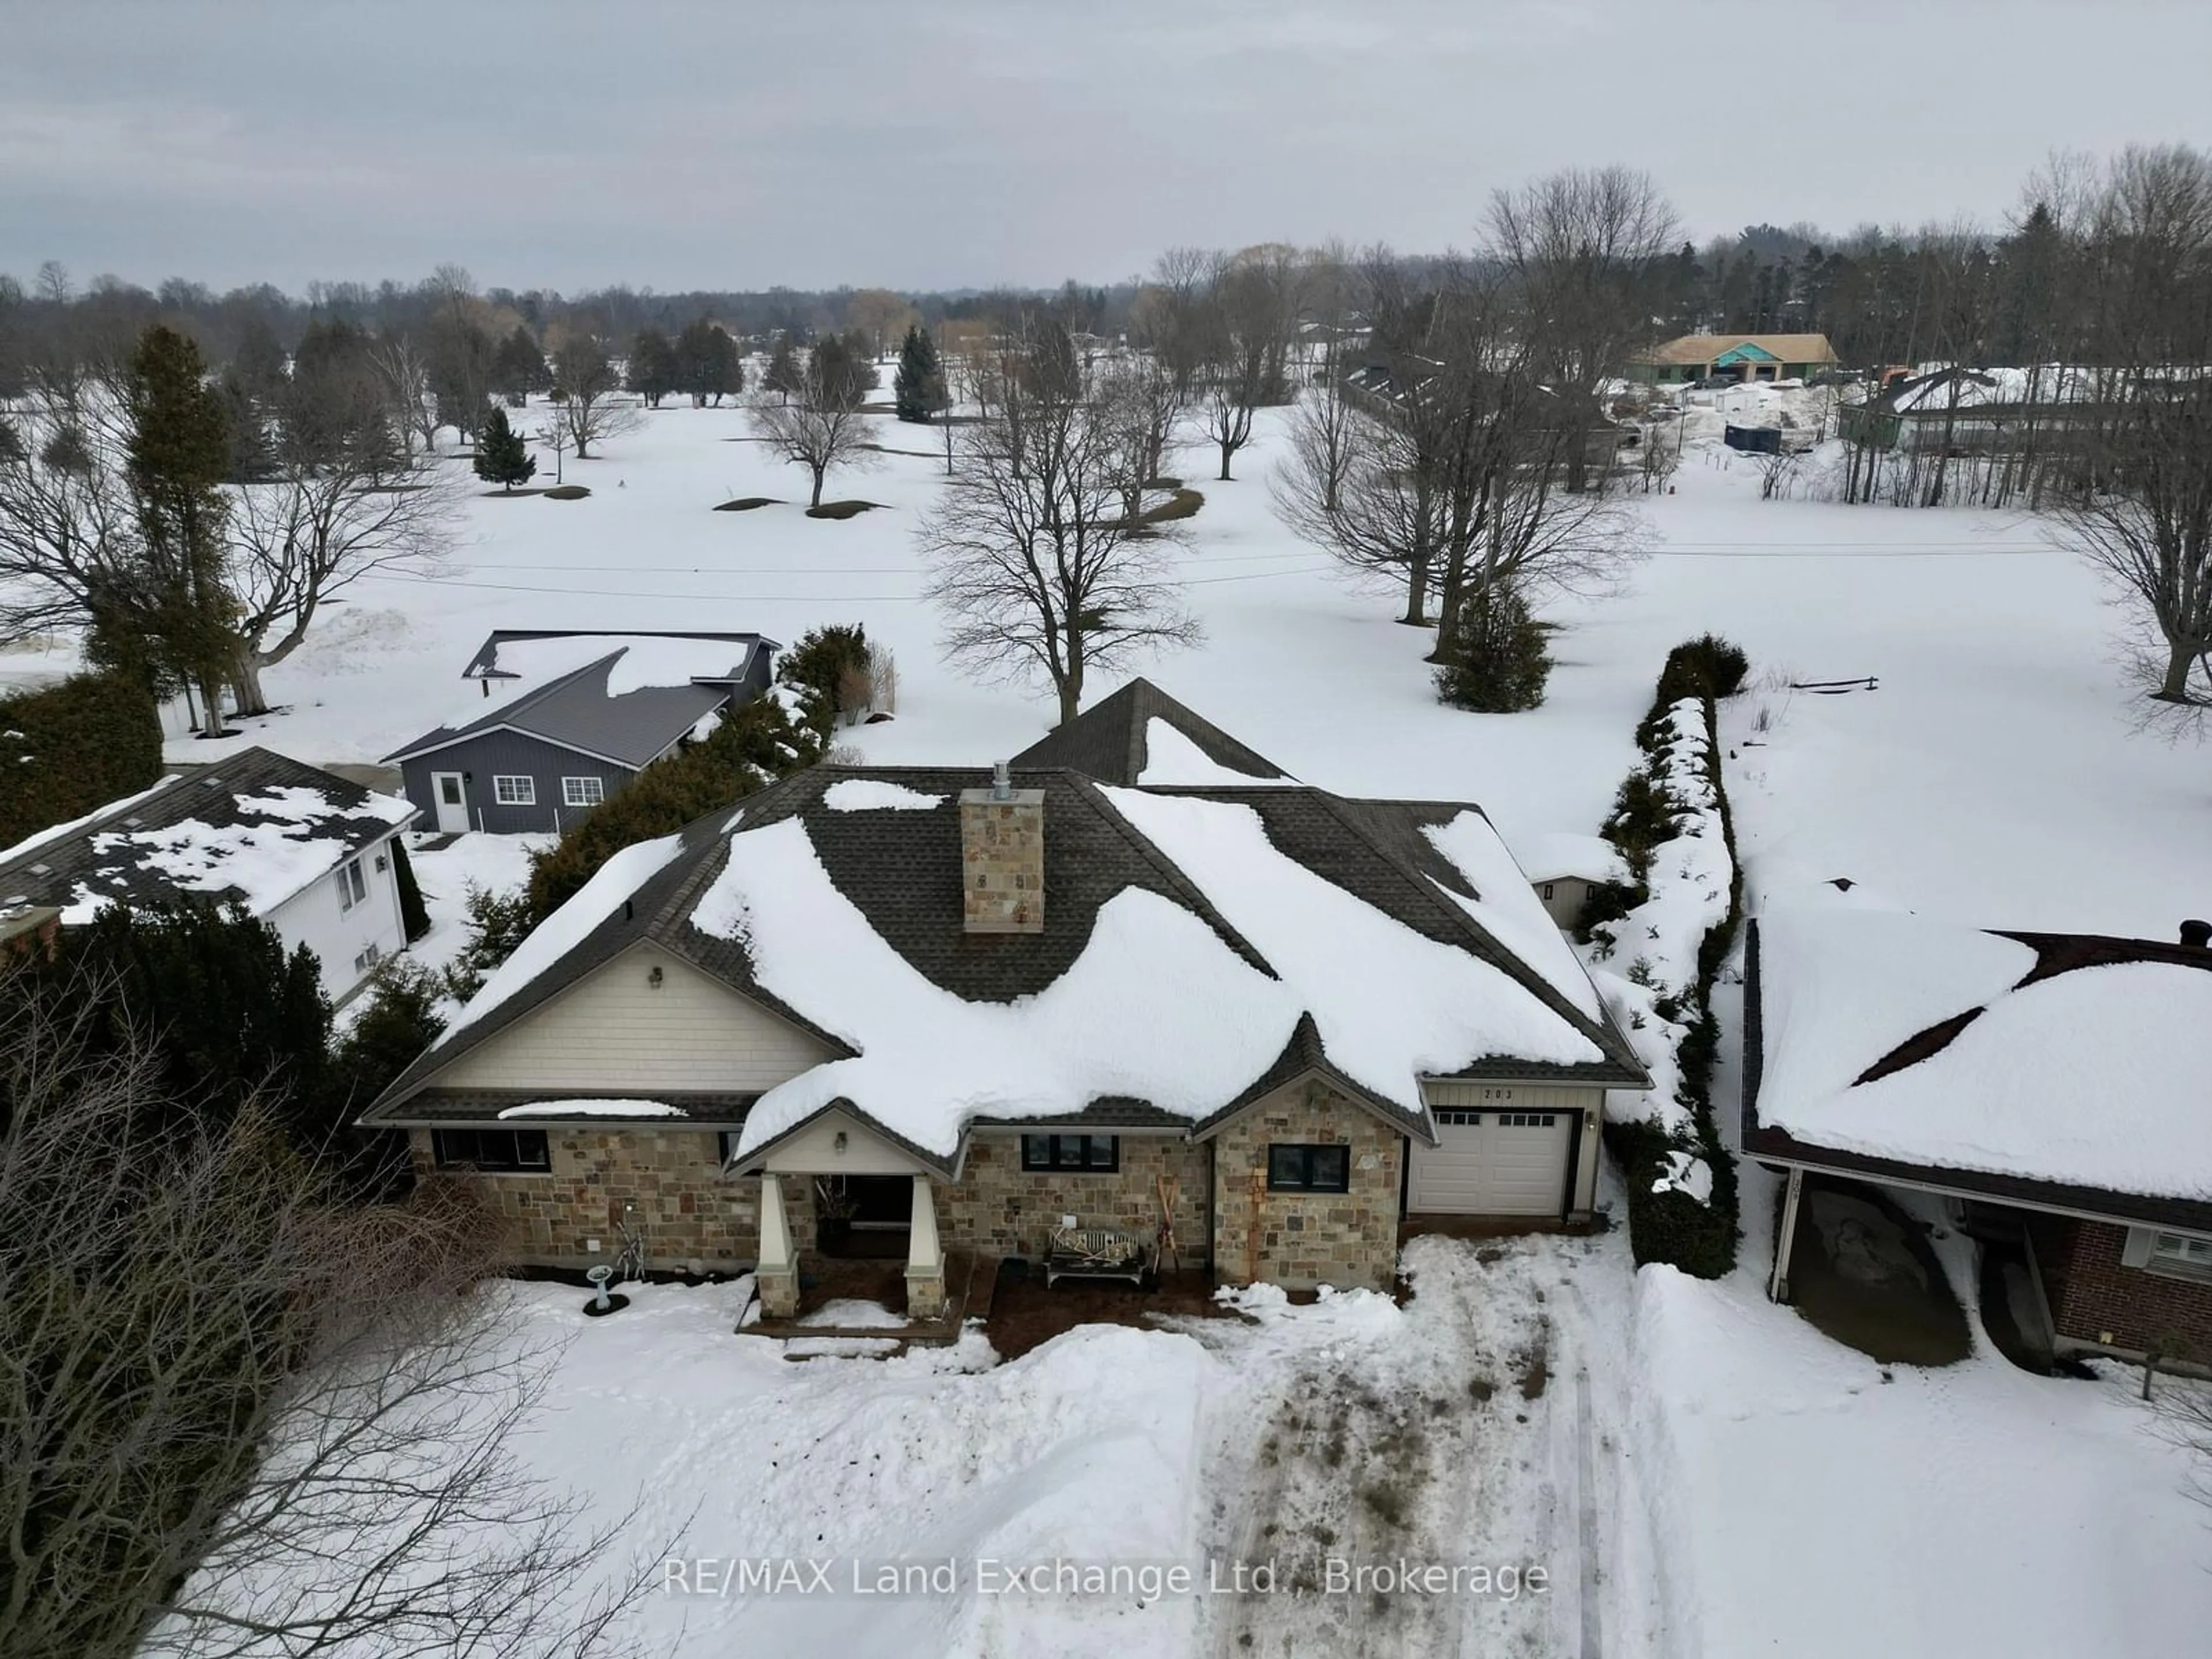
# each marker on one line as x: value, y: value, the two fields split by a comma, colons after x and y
x: 452, y: 799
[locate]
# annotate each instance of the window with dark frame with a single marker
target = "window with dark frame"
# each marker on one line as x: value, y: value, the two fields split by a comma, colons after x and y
x: 492, y: 1152
x: 1298, y: 1168
x: 1072, y: 1154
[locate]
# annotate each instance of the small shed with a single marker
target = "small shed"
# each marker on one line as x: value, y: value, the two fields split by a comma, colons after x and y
x: 1563, y: 867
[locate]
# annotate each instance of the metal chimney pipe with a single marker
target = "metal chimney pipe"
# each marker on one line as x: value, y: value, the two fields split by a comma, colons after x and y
x: 1002, y: 782
x: 2197, y: 935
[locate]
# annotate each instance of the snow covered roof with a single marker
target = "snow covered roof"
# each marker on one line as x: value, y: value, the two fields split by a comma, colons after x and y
x: 256, y: 827
x: 1559, y: 855
x: 1215, y: 924
x: 1141, y: 735
x: 1941, y: 389
x: 620, y: 698
x: 2070, y: 1070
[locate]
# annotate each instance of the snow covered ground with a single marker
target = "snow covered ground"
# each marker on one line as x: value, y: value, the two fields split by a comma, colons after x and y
x: 1713, y: 1476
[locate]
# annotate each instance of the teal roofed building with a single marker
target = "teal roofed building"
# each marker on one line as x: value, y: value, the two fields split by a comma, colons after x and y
x: 1737, y: 356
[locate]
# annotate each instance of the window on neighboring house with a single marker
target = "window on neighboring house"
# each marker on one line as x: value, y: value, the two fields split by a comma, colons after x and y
x: 1547, y: 890
x: 353, y: 885
x: 1074, y: 1154
x: 726, y: 1143
x: 493, y: 1152
x: 368, y: 958
x: 1304, y: 1169
x: 582, y: 792
x: 2178, y: 1253
x: 509, y: 790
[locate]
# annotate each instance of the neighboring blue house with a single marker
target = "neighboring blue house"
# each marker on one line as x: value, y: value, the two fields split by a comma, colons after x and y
x: 570, y: 719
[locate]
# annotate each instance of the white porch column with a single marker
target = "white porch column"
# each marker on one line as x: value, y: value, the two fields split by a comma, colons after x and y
x: 925, y: 1258
x: 778, y: 1273
x: 1777, y: 1288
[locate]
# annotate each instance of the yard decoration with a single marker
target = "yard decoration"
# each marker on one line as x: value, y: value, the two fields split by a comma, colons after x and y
x: 1166, y: 1250
x: 601, y: 1303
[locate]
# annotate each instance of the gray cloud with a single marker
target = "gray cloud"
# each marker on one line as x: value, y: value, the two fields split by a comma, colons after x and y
x: 951, y: 142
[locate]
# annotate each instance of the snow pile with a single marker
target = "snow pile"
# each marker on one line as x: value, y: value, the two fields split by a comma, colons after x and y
x: 612, y: 884
x: 876, y: 795
x: 1172, y: 758
x: 929, y: 1060
x: 593, y: 1108
x: 1506, y: 906
x: 2093, y: 1076
x: 1685, y: 1172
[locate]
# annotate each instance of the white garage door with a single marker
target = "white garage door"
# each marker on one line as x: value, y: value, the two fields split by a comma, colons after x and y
x: 1492, y: 1164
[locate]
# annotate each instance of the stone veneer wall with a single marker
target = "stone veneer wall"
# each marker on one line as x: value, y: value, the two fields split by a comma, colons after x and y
x: 1346, y: 1239
x: 997, y: 1208
x: 687, y: 1209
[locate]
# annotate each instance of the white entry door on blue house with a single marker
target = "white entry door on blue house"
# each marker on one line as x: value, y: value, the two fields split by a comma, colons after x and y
x: 1492, y: 1162
x: 446, y: 787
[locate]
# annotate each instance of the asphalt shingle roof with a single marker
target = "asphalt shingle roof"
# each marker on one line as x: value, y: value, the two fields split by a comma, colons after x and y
x: 1106, y: 740
x: 119, y: 854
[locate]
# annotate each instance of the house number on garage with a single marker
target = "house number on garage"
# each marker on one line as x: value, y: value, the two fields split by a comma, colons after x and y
x: 1497, y: 1094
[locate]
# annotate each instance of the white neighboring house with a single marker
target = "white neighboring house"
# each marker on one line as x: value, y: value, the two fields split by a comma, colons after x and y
x: 305, y: 851
x: 1564, y: 867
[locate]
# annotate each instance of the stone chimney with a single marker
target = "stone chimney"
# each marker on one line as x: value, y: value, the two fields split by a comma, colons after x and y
x: 1002, y: 857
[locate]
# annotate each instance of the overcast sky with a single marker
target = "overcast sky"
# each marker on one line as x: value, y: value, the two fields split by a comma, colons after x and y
x: 923, y: 143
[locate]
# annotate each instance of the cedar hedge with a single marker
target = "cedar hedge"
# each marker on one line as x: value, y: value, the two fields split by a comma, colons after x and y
x: 1670, y: 1226
x: 414, y: 914
x: 71, y: 748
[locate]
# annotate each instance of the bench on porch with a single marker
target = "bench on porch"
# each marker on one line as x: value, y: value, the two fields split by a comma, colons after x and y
x: 1094, y: 1253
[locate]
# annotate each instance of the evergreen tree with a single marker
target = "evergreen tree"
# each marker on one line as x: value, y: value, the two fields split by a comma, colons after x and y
x: 180, y: 453
x: 783, y: 377
x: 651, y: 369
x: 708, y: 367
x: 518, y: 367
x: 258, y: 363
x: 253, y: 457
x: 918, y: 389
x: 501, y: 457
x: 1501, y: 657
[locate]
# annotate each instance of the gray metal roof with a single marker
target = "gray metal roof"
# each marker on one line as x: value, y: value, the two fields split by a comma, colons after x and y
x: 574, y: 711
x: 484, y: 665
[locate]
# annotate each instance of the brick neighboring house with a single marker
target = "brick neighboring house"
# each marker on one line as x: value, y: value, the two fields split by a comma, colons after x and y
x: 964, y: 1003
x: 2055, y: 1089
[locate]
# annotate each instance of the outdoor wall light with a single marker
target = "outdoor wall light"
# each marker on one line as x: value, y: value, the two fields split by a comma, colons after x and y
x: 653, y: 976
x: 840, y: 1142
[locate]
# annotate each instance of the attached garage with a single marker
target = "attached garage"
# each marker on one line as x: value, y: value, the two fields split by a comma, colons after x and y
x: 1501, y: 1151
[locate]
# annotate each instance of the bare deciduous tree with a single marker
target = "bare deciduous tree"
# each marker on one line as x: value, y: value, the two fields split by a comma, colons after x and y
x: 585, y: 383
x: 1042, y: 572
x: 405, y: 374
x: 239, y: 1416
x: 821, y: 427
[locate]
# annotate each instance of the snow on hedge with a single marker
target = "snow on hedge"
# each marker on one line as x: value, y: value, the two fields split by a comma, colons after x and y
x: 876, y: 795
x: 1172, y: 758
x: 614, y: 881
x: 1651, y: 953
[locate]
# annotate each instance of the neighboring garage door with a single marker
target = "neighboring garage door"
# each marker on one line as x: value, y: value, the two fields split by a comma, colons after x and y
x: 1491, y: 1163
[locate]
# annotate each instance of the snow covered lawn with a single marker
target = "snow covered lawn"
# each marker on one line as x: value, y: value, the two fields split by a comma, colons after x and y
x: 1455, y: 1431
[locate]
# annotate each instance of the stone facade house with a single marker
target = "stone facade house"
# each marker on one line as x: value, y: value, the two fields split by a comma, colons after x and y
x: 2050, y: 1090
x: 1138, y: 978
